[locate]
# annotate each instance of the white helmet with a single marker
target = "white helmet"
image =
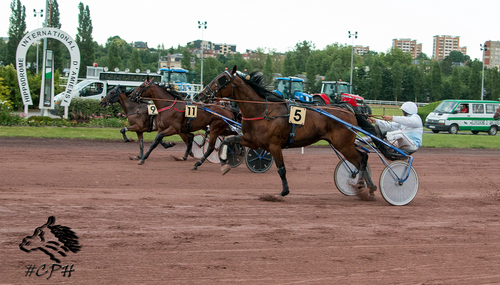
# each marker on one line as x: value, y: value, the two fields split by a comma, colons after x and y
x: 410, y: 108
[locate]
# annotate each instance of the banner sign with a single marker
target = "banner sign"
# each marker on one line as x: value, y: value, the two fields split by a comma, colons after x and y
x: 22, y: 49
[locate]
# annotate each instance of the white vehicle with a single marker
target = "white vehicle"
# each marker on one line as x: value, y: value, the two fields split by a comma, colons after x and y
x: 98, y: 82
x: 467, y: 115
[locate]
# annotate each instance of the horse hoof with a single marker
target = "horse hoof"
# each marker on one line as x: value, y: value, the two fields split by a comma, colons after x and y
x: 284, y: 193
x: 176, y: 158
x: 134, y: 157
x: 194, y: 168
x: 141, y: 162
x: 225, y: 168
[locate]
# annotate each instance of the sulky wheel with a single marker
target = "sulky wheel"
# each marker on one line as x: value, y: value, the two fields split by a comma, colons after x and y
x: 346, y: 177
x: 235, y: 153
x: 214, y: 156
x: 394, y: 192
x: 198, y: 142
x: 259, y: 160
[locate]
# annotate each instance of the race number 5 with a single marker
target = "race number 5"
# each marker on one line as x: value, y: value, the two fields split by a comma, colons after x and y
x: 152, y: 109
x: 191, y: 111
x: 297, y: 115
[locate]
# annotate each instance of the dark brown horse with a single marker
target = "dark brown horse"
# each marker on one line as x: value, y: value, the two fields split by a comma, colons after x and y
x: 266, y: 124
x: 172, y: 118
x: 138, y: 118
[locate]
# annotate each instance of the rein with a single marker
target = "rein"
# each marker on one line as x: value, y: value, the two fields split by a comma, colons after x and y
x: 171, y: 106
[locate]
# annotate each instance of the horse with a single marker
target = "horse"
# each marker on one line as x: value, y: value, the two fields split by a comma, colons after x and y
x: 497, y: 114
x: 172, y: 119
x: 138, y: 118
x: 52, y: 240
x: 265, y: 124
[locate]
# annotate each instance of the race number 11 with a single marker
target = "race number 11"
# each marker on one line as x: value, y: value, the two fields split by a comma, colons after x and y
x: 297, y: 115
x: 152, y: 109
x: 191, y: 111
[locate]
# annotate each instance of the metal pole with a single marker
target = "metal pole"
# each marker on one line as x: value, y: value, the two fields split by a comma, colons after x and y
x: 484, y: 49
x: 39, y: 14
x: 352, y: 52
x: 202, y: 25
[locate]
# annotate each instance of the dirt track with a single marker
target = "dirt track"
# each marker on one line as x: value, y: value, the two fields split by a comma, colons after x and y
x: 164, y: 223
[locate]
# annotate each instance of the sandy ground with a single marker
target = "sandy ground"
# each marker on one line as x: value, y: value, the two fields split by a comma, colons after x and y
x: 162, y: 223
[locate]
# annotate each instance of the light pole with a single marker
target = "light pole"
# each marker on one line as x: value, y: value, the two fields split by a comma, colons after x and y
x: 202, y: 25
x: 484, y: 49
x: 35, y: 14
x: 355, y: 36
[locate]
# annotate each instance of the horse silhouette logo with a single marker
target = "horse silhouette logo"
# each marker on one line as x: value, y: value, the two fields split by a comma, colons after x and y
x: 53, y: 240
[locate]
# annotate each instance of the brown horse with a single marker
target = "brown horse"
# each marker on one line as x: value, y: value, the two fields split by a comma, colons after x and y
x: 497, y: 114
x: 266, y: 124
x: 138, y: 118
x: 172, y: 118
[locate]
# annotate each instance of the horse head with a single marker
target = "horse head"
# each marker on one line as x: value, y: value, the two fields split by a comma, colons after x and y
x: 216, y: 88
x: 51, y: 239
x: 111, y: 97
x: 139, y: 92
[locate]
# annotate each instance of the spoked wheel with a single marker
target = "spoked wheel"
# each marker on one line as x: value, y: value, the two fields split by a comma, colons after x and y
x: 259, y: 160
x: 214, y: 156
x: 197, y: 149
x: 394, y: 192
x: 235, y: 153
x: 346, y: 177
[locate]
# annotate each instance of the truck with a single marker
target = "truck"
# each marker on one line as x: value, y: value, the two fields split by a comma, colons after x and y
x: 178, y: 77
x: 292, y: 88
x: 340, y: 93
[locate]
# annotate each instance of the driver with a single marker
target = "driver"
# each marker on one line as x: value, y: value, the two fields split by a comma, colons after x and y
x: 404, y: 132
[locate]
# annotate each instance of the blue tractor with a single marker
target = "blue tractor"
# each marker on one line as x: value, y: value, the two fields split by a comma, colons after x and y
x: 292, y: 88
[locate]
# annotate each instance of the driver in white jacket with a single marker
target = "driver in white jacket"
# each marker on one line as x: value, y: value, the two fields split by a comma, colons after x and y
x: 404, y: 132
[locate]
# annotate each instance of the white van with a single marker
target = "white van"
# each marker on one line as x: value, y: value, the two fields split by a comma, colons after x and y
x: 98, y: 82
x: 465, y: 115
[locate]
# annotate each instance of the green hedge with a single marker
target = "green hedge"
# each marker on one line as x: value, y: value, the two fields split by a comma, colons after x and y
x: 424, y: 111
x: 84, y: 109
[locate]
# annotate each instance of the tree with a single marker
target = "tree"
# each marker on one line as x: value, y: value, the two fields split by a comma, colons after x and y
x: 475, y: 80
x: 84, y: 39
x: 456, y: 56
x: 436, y: 81
x: 311, y: 70
x: 114, y: 59
x: 376, y: 77
x: 422, y: 56
x: 397, y: 79
x: 300, y: 55
x: 289, y: 68
x: 186, y: 60
x: 17, y: 30
x: 456, y: 88
x: 136, y: 60
x: 268, y: 70
x: 55, y: 45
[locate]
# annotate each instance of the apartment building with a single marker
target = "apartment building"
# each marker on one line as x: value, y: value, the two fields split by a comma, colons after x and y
x: 443, y: 45
x: 408, y: 45
x: 492, y: 54
x: 361, y: 50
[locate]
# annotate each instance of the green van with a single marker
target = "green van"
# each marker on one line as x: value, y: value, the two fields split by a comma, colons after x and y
x: 455, y: 115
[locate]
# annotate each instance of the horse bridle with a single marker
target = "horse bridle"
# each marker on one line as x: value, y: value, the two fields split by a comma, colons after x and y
x: 138, y: 95
x: 221, y: 83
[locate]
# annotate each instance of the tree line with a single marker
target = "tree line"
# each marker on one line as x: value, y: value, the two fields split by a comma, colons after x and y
x: 392, y: 75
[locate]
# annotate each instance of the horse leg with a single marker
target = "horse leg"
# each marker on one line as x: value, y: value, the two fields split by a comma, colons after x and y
x: 141, y: 147
x: 155, y: 143
x: 277, y: 154
x: 167, y: 145
x: 189, y: 137
x: 225, y: 167
x: 123, y: 131
x: 360, y: 160
x: 210, y: 149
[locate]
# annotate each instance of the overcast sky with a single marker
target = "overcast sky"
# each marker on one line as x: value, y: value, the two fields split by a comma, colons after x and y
x: 279, y: 24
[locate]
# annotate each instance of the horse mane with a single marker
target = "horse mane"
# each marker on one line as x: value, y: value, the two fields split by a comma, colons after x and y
x: 67, y: 237
x: 170, y: 89
x: 258, y: 84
